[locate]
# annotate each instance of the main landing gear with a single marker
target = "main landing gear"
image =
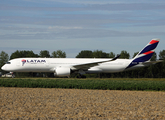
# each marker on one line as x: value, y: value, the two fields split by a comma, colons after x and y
x: 81, y: 76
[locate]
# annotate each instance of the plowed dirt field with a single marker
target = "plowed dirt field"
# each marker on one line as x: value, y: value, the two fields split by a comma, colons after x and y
x: 40, y: 103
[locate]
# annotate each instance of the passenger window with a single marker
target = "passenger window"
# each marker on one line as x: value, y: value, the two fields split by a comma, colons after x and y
x: 8, y: 63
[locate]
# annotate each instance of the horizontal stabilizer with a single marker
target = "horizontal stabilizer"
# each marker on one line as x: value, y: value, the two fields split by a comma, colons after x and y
x: 152, y: 62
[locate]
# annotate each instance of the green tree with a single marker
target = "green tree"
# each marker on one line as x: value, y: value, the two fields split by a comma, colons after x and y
x: 3, y: 58
x: 111, y: 55
x: 135, y: 54
x: 21, y: 54
x: 162, y: 64
x: 85, y: 54
x: 44, y: 53
x: 151, y: 71
x: 162, y: 55
x: 58, y: 54
x: 100, y: 54
x: 124, y: 54
x: 154, y: 57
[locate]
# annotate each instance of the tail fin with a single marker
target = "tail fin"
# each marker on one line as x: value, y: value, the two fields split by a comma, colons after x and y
x: 145, y: 54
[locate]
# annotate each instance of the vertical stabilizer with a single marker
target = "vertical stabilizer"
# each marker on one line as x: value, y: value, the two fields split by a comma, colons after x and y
x: 145, y: 54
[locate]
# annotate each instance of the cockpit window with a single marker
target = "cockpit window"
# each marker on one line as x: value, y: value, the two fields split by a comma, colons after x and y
x: 8, y: 63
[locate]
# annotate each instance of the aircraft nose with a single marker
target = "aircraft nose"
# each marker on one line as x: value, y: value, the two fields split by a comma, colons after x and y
x: 3, y: 67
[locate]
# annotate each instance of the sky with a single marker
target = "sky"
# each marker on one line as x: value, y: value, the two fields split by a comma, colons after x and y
x: 76, y: 25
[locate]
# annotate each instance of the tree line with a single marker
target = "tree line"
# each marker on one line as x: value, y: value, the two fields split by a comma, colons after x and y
x: 153, y: 71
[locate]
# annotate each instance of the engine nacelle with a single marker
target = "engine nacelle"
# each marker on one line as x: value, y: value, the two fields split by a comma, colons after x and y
x: 62, y: 71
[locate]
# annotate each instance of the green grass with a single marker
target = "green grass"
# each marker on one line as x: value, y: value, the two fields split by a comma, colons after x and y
x: 89, y: 83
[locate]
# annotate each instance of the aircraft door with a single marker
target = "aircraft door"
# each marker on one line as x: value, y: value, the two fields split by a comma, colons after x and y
x: 47, y: 63
x: 18, y: 63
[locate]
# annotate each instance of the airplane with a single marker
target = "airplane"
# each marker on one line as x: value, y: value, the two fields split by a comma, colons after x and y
x: 66, y: 66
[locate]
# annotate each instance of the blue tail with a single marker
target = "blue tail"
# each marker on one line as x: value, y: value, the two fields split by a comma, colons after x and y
x: 145, y: 54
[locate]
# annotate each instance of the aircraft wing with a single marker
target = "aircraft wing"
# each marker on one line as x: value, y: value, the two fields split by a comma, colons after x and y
x: 86, y: 66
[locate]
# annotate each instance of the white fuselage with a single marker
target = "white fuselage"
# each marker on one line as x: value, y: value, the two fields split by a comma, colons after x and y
x: 67, y: 66
x: 50, y: 65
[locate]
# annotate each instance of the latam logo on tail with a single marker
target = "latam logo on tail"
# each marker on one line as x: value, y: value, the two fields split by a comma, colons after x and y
x: 33, y: 61
x: 150, y: 47
x: 145, y: 54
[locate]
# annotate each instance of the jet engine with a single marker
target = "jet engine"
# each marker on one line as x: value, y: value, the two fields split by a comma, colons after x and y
x: 62, y: 71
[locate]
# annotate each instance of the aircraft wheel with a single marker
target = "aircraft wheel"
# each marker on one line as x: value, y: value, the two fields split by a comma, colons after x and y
x: 81, y: 76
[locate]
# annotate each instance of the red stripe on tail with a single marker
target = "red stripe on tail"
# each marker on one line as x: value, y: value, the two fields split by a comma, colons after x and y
x: 153, y: 41
x: 149, y: 52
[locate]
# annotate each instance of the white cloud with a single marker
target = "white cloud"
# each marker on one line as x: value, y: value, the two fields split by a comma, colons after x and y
x: 62, y: 28
x: 91, y: 2
x: 88, y: 24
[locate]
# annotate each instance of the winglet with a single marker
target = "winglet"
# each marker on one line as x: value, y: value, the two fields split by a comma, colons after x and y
x: 115, y: 57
